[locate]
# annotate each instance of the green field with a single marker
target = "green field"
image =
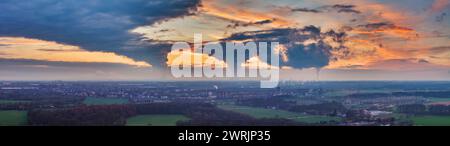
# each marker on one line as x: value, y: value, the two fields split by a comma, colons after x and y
x: 13, y: 118
x: 425, y: 120
x: 104, y: 101
x: 155, y: 120
x: 431, y: 120
x: 271, y: 113
x: 5, y: 101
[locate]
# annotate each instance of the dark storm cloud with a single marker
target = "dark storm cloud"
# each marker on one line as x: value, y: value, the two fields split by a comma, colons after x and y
x: 100, y: 25
x: 300, y: 55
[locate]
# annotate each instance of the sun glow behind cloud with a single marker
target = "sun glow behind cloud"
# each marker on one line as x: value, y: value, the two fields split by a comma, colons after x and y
x: 178, y: 57
x: 23, y: 48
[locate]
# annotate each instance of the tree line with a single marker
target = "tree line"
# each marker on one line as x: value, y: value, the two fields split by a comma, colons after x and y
x: 203, y: 114
x: 326, y: 108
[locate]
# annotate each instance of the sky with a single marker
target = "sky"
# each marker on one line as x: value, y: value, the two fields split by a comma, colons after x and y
x: 131, y: 40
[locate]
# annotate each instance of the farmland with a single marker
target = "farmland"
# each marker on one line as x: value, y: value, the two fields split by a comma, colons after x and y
x: 155, y: 120
x: 273, y: 113
x: 13, y: 118
x: 431, y: 120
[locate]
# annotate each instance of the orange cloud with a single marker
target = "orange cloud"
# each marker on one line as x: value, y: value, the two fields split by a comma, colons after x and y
x: 375, y: 30
x: 24, y: 48
x: 235, y: 13
x: 364, y: 52
x: 186, y: 58
x: 384, y: 12
x: 178, y: 57
x: 256, y: 63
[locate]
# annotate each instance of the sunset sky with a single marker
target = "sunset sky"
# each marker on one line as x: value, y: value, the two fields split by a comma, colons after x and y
x: 131, y: 39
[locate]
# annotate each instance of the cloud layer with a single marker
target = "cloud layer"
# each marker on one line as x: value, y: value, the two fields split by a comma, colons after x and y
x: 97, y: 25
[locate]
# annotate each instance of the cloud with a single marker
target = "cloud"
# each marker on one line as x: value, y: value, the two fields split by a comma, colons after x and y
x: 94, y: 25
x: 51, y: 51
x: 404, y: 65
x: 177, y: 58
x: 340, y: 8
x: 440, y: 5
x: 238, y: 13
x: 423, y: 61
x: 440, y: 50
x: 441, y: 17
x: 255, y: 63
x: 241, y: 24
x: 297, y: 53
x: 306, y: 10
x: 382, y: 28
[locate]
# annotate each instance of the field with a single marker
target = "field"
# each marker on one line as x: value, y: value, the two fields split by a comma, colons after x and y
x: 13, y: 118
x: 431, y: 120
x: 425, y: 120
x: 155, y: 120
x: 271, y: 113
x: 104, y: 101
